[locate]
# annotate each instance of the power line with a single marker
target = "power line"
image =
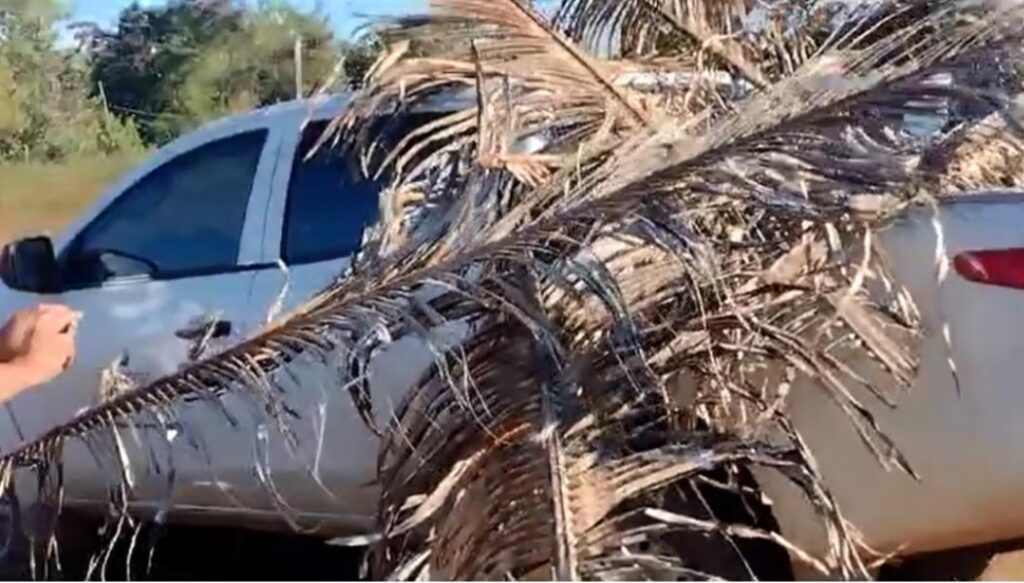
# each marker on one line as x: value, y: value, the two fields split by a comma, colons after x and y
x: 145, y: 113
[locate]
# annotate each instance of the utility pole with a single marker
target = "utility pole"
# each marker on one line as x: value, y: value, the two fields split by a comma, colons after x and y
x: 103, y: 98
x: 298, y: 66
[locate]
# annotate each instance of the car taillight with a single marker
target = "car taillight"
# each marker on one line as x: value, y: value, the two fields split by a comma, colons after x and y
x: 1002, y: 267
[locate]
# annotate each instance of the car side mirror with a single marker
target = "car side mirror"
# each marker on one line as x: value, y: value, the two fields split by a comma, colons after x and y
x: 29, y: 265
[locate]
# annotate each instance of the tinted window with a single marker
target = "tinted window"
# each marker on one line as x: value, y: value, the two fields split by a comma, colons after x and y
x: 186, y: 217
x: 330, y: 200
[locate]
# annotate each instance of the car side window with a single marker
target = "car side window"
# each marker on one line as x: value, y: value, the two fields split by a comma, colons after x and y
x: 331, y: 201
x: 184, y: 218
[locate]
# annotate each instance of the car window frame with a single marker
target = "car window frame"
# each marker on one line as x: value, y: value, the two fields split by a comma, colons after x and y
x: 293, y: 162
x: 274, y: 238
x: 256, y: 205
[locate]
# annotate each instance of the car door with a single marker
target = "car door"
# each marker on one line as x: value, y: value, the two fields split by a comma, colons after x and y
x: 166, y: 254
x: 324, y: 203
x: 322, y: 206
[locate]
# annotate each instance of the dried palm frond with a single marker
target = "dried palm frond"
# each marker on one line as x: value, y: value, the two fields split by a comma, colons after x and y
x: 985, y: 154
x: 636, y: 314
x: 752, y: 40
x: 518, y: 65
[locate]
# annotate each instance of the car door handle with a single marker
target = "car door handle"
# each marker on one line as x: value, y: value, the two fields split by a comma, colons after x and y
x: 205, y: 329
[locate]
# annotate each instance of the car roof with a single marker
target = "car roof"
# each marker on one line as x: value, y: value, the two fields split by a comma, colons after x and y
x: 333, y: 104
x: 318, y: 107
x: 329, y: 105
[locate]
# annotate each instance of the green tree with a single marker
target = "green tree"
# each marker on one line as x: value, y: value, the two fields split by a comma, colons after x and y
x: 255, y: 65
x: 46, y: 111
x: 171, y: 67
x: 141, y: 64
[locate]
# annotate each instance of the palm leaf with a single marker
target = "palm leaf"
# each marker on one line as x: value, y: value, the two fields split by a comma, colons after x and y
x: 637, y: 315
x: 987, y: 153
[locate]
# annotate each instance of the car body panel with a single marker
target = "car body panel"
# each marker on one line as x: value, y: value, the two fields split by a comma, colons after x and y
x: 965, y: 445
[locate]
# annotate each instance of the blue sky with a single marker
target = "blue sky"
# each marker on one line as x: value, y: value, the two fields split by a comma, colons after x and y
x: 344, y: 14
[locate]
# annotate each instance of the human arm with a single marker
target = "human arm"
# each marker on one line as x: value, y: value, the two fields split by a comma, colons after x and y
x: 36, y: 345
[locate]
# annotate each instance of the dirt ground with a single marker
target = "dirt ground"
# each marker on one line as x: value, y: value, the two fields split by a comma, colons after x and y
x: 37, y: 197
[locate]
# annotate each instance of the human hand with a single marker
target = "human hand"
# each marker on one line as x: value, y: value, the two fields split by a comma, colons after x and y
x: 15, y: 333
x: 39, y: 342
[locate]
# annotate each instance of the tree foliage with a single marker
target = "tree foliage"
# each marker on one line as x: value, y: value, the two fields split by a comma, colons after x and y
x: 176, y: 65
x: 46, y: 110
x: 156, y: 73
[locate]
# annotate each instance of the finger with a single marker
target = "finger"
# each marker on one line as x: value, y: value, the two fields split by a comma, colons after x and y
x: 55, y: 310
x: 24, y: 321
x: 56, y: 322
x: 67, y: 351
x: 25, y: 317
x: 67, y: 346
x: 19, y: 324
x: 16, y: 333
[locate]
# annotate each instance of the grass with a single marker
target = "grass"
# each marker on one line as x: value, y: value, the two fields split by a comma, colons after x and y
x: 38, y: 197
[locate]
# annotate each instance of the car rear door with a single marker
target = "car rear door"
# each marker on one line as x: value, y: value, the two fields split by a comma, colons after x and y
x: 323, y: 204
